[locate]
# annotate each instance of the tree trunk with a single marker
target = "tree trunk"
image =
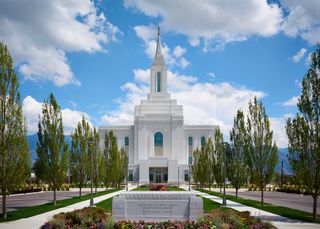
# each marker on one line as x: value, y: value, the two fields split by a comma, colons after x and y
x: 236, y: 193
x: 261, y: 188
x: 220, y: 189
x: 4, y: 205
x: 80, y: 194
x: 54, y: 196
x: 315, y: 200
x: 95, y: 190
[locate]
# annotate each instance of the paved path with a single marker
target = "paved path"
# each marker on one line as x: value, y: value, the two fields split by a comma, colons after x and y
x: 37, y: 221
x: 290, y: 200
x: 278, y: 221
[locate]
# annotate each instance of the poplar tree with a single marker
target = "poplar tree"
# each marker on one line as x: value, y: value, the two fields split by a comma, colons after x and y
x: 53, y: 155
x: 112, y: 159
x: 124, y: 166
x: 262, y: 151
x: 237, y: 171
x: 218, y: 157
x: 14, y: 148
x: 80, y: 158
x: 97, y: 157
x: 304, y: 133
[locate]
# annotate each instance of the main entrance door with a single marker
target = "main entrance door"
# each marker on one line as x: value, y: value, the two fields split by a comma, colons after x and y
x: 158, y: 175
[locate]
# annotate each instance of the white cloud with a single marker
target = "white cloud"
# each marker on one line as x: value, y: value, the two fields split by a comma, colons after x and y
x: 291, y: 102
x: 211, y: 74
x: 39, y: 33
x: 214, y: 104
x: 299, y: 55
x: 215, y: 22
x: 32, y: 109
x: 171, y: 57
x: 277, y: 125
x: 303, y: 19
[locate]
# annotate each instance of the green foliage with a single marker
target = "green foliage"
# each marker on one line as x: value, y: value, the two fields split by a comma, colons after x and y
x: 262, y: 153
x: 304, y: 132
x: 80, y: 158
x: 237, y: 168
x: 115, y: 161
x: 53, y: 156
x: 218, y: 156
x: 14, y: 148
x: 97, y: 158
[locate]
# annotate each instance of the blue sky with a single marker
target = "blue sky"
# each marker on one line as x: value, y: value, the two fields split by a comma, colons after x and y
x: 95, y: 57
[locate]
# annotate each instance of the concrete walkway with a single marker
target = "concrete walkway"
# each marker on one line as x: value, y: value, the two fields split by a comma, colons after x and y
x: 37, y: 221
x: 278, y: 221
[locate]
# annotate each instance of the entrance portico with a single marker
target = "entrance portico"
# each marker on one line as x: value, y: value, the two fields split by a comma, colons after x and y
x: 158, y: 175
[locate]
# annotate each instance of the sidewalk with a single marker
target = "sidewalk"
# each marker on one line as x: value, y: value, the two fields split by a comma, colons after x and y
x: 37, y: 221
x: 278, y: 221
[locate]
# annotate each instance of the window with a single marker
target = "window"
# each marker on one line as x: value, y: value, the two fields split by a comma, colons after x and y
x: 158, y: 144
x: 130, y: 178
x: 158, y: 82
x: 203, y: 141
x: 126, y: 141
x: 186, y: 175
x: 190, y: 149
x: 190, y: 141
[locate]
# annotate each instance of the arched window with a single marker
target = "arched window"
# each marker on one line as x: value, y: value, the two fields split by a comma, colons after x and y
x: 158, y: 144
x: 158, y: 82
x: 126, y: 141
x: 203, y: 141
x: 190, y: 149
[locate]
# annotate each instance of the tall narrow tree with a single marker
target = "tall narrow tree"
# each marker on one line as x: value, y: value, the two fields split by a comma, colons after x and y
x: 262, y: 151
x: 304, y: 133
x: 96, y: 157
x: 112, y: 159
x: 218, y: 157
x: 124, y: 166
x: 237, y: 171
x: 53, y: 155
x: 80, y: 158
x: 14, y: 148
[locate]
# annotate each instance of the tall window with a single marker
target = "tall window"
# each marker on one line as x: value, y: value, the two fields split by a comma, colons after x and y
x: 158, y: 82
x: 190, y: 148
x: 203, y: 141
x: 158, y: 144
x: 126, y: 144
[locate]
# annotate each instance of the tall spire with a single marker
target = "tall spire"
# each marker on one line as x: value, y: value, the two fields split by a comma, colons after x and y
x: 158, y: 50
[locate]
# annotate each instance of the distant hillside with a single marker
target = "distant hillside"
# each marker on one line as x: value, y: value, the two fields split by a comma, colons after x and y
x: 282, y: 156
x: 33, y: 145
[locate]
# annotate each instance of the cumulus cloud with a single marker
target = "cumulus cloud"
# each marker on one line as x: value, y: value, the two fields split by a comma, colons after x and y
x: 213, y: 21
x: 291, y: 102
x: 299, y: 55
x: 215, y: 103
x: 302, y: 20
x: 172, y: 57
x: 39, y: 33
x: 32, y: 110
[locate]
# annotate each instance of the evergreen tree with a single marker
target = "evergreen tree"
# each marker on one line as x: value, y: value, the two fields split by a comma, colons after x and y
x: 112, y: 159
x: 80, y: 158
x: 14, y: 148
x: 53, y: 155
x: 236, y: 159
x: 304, y: 133
x: 218, y: 157
x: 262, y: 151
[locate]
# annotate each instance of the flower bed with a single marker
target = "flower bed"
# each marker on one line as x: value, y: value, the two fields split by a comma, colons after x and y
x: 99, y: 218
x: 158, y: 187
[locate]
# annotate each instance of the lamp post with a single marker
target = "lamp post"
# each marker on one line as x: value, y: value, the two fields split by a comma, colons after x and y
x: 224, y: 201
x: 178, y: 176
x: 189, y: 175
x: 91, y: 174
x: 127, y: 181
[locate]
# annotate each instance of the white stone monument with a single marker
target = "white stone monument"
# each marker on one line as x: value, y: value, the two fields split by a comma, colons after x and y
x: 157, y: 206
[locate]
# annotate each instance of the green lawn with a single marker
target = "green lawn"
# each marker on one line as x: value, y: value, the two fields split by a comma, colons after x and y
x: 106, y: 204
x: 39, y: 209
x: 146, y: 188
x: 279, y: 210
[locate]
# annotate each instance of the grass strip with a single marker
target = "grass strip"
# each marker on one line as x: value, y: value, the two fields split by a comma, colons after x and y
x: 279, y: 210
x: 39, y: 209
x: 106, y: 204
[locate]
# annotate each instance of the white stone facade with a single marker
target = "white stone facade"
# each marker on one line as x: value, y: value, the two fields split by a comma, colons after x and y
x: 159, y: 145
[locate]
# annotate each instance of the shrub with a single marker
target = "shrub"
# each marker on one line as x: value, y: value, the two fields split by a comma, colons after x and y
x: 158, y: 187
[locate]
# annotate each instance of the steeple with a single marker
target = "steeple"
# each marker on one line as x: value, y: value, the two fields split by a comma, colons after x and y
x: 158, y: 50
x: 158, y: 57
x: 158, y: 76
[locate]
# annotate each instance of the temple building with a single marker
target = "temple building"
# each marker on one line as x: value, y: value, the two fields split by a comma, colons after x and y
x: 158, y: 143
